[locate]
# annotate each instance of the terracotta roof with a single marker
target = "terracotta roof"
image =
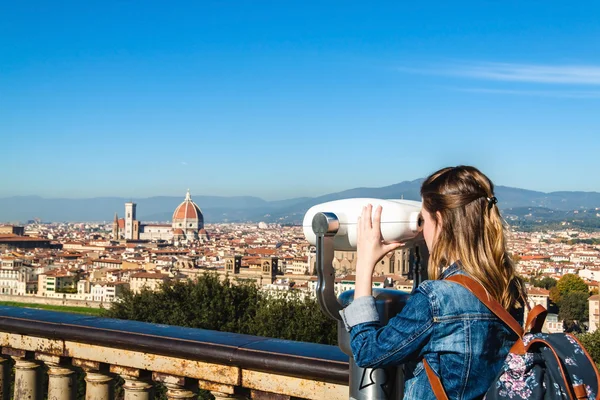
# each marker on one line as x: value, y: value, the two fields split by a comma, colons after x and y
x: 149, y: 275
x: 187, y: 210
x: 15, y: 238
x: 534, y: 257
x: 538, y: 291
x: 106, y: 260
x: 262, y: 251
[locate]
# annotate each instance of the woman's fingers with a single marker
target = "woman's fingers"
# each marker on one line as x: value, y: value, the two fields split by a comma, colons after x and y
x: 392, y: 246
x: 377, y: 219
x: 367, y: 212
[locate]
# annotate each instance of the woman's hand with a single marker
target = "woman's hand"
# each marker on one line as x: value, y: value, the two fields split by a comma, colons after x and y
x: 370, y: 247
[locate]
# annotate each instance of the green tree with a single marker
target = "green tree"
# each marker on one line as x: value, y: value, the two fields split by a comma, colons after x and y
x: 290, y: 316
x: 591, y: 342
x: 548, y: 283
x: 571, y: 283
x: 554, y: 295
x: 208, y: 303
x: 205, y: 303
x: 545, y: 283
x: 573, y: 306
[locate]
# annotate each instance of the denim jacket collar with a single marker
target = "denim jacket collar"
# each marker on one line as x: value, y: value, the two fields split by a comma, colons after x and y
x: 453, y: 269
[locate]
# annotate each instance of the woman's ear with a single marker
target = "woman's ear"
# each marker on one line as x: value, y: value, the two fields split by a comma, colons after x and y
x: 438, y: 219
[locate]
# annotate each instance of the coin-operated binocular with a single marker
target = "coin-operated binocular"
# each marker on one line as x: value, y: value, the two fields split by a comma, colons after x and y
x: 332, y: 226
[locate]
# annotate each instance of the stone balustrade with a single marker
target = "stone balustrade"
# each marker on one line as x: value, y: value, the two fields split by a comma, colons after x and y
x: 184, y: 360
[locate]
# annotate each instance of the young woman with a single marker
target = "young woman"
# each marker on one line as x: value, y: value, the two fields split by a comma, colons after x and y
x: 443, y: 323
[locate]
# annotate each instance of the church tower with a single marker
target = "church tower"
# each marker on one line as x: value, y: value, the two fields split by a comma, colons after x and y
x: 115, y: 228
x: 130, y: 221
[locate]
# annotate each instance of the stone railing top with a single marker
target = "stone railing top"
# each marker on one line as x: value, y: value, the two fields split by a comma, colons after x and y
x: 298, y: 359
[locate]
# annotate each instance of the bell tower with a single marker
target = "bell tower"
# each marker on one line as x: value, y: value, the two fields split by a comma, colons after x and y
x: 129, y: 220
x: 115, y: 228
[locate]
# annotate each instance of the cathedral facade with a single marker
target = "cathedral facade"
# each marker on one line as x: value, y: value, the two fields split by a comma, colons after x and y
x: 187, y: 224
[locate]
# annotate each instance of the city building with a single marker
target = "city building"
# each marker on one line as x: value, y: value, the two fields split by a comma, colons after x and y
x: 14, y: 275
x: 147, y: 280
x: 12, y: 230
x: 187, y: 224
x: 594, y: 313
x: 106, y: 292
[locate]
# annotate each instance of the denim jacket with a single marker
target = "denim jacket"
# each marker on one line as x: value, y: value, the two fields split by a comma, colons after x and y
x: 463, y: 342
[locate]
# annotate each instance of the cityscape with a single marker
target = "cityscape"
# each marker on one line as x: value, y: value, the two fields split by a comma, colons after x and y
x: 93, y: 264
x: 160, y: 161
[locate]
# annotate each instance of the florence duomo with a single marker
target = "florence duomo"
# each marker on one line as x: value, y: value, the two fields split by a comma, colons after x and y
x: 187, y: 224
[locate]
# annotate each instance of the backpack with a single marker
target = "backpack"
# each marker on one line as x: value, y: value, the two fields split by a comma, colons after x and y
x: 548, y: 366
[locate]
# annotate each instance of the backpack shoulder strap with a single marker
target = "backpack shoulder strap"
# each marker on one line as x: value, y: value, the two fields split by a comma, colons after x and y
x: 477, y: 289
x: 535, y: 319
x: 435, y: 382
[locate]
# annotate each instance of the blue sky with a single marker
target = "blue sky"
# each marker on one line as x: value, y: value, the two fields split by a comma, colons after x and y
x: 279, y: 99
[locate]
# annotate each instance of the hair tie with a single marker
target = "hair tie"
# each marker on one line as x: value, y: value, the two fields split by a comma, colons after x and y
x: 492, y: 200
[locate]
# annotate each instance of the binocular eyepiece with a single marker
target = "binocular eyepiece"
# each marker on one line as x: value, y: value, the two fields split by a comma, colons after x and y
x: 401, y: 220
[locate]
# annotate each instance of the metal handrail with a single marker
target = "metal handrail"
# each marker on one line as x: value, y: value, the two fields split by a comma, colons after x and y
x: 298, y: 359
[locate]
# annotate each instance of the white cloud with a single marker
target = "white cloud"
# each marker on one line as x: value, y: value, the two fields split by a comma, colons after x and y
x: 511, y: 72
x: 565, y: 74
x: 539, y: 93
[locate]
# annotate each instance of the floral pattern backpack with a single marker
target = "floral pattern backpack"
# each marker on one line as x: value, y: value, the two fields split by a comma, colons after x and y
x: 539, y: 365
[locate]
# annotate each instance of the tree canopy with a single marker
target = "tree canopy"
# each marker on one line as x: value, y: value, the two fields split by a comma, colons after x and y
x: 591, y: 342
x: 208, y: 303
x: 545, y: 283
x: 568, y: 283
x: 573, y: 306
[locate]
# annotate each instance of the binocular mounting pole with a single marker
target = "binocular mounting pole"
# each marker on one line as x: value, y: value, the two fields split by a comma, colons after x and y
x: 326, y: 225
x: 364, y: 383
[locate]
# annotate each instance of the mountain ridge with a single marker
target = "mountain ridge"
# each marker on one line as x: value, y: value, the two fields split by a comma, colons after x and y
x: 254, y: 209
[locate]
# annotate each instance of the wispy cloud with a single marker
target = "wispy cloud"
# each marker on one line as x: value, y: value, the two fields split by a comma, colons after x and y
x: 184, y: 163
x: 538, y: 93
x: 552, y: 74
x: 511, y: 72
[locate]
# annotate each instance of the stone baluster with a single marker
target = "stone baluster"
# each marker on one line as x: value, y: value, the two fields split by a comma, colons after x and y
x: 137, y: 386
x: 221, y: 391
x: 4, y: 378
x: 98, y: 383
x: 177, y: 387
x: 27, y: 382
x: 61, y: 384
x: 260, y: 395
x: 227, y: 396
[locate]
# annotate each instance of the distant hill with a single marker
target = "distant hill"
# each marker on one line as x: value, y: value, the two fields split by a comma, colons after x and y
x: 247, y: 208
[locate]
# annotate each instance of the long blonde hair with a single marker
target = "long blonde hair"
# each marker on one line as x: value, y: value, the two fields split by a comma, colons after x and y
x: 461, y: 201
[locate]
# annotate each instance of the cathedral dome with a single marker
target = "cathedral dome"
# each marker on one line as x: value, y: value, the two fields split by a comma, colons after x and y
x: 187, y: 210
x: 187, y: 220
